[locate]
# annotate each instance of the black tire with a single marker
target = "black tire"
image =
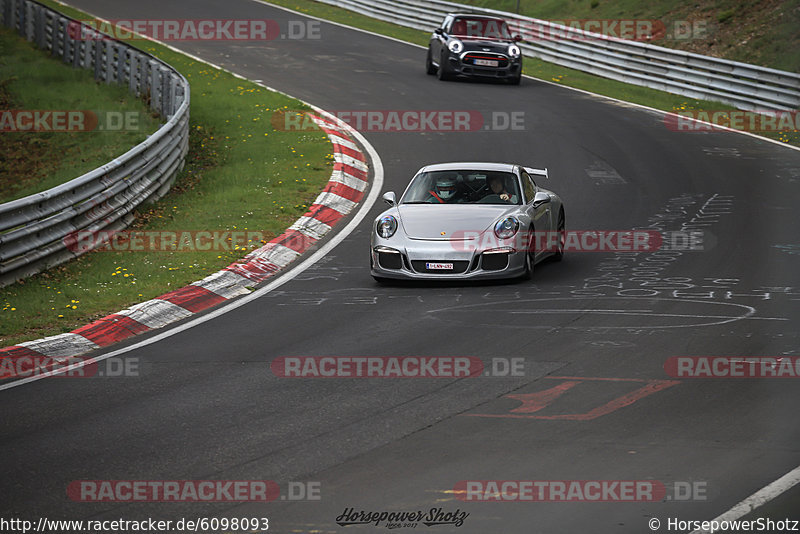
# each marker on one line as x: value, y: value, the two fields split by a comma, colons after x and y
x: 529, y: 257
x: 430, y: 68
x: 442, y: 72
x: 561, y: 229
x: 515, y: 80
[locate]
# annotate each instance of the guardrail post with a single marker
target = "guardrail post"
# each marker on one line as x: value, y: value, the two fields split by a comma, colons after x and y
x: 166, y: 101
x: 154, y: 85
x: 38, y: 26
x: 68, y: 50
x: 133, y: 74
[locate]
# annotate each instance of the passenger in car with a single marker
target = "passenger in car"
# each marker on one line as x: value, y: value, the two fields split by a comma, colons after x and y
x: 497, y: 187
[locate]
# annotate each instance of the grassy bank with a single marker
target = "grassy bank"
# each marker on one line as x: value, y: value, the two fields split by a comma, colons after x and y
x: 240, y: 174
x: 32, y: 161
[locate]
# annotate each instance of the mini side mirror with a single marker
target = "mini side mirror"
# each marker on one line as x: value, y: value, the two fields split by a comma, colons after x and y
x: 390, y: 198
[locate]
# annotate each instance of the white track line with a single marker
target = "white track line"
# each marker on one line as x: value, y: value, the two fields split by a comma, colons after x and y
x: 762, y: 496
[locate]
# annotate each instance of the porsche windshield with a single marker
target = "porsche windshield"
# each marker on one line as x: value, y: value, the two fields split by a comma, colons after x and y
x: 463, y: 187
x: 481, y: 28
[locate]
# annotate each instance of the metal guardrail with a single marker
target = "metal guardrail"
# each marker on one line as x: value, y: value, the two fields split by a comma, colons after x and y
x: 674, y: 71
x: 36, y: 231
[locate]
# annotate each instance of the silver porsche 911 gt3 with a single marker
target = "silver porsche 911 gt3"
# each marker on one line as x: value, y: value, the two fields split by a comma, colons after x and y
x: 468, y: 221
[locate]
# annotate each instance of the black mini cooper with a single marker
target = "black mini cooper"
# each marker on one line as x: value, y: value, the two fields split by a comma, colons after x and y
x: 474, y: 45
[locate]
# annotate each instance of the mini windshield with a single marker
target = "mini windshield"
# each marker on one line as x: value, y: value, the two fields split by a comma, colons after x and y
x: 463, y: 187
x: 479, y: 27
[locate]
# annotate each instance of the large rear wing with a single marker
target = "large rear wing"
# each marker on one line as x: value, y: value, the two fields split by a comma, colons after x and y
x: 537, y: 172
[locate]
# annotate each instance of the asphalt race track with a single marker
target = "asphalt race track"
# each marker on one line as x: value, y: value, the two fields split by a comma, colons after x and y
x: 207, y: 405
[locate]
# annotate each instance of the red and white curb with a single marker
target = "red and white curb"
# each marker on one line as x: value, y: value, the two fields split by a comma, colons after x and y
x: 345, y: 189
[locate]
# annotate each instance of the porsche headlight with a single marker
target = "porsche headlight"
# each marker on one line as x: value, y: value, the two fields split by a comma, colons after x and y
x: 455, y: 46
x: 387, y: 226
x: 513, y: 51
x: 506, y: 228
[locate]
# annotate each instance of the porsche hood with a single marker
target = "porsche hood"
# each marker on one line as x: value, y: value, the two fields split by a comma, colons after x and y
x: 449, y: 222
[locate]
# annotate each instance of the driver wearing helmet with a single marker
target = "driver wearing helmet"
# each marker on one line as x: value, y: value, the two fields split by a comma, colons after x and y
x: 444, y: 190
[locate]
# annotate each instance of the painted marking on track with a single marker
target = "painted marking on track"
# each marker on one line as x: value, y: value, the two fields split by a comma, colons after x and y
x: 537, y: 401
x: 533, y: 402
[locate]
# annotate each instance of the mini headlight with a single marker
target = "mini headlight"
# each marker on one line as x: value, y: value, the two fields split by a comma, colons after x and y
x: 513, y: 51
x: 506, y: 228
x: 455, y: 46
x: 387, y: 226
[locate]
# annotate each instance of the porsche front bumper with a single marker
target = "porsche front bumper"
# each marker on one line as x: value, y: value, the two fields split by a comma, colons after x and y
x: 440, y: 260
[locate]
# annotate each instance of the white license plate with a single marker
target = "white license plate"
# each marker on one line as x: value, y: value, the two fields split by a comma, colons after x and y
x: 439, y: 266
x: 486, y: 63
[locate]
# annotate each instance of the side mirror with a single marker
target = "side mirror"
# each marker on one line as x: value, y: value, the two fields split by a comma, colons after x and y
x: 540, y: 198
x: 438, y: 31
x: 517, y: 37
x: 390, y: 198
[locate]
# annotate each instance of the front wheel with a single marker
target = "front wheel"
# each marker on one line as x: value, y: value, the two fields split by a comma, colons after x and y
x: 530, y: 255
x: 443, y: 73
x: 430, y: 68
x: 515, y: 80
x: 562, y: 237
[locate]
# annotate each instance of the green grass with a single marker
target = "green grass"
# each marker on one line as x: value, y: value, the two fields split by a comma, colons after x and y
x: 34, y: 161
x: 240, y: 174
x: 570, y: 9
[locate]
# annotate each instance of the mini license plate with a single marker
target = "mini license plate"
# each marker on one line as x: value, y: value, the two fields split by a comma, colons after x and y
x: 439, y: 266
x: 486, y: 63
